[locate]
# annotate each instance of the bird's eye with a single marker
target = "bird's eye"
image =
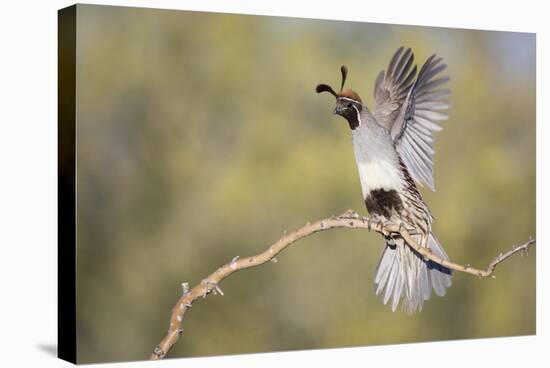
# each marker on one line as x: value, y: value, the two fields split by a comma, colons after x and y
x: 349, y: 105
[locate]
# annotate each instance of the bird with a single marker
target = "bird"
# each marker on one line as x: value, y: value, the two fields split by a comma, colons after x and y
x: 393, y: 148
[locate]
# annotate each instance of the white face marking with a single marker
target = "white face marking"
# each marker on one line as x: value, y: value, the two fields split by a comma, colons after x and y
x: 358, y: 115
x: 355, y: 107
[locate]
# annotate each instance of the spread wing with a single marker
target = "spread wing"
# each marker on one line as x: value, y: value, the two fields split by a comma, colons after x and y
x: 392, y: 87
x: 410, y: 110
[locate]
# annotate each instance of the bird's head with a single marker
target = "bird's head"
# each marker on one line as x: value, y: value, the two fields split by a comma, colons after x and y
x: 348, y: 102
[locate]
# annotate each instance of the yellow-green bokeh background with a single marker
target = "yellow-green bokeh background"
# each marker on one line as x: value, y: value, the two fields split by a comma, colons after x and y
x: 200, y: 138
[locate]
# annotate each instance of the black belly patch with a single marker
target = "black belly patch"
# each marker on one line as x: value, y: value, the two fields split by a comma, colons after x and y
x: 383, y: 202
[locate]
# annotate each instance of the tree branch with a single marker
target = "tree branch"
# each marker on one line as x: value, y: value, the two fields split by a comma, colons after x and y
x: 349, y: 219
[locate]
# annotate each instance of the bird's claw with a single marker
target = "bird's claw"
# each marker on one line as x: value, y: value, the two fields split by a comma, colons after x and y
x: 376, y: 221
x: 401, y: 227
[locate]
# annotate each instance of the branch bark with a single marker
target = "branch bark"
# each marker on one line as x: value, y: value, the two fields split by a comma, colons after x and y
x: 350, y: 219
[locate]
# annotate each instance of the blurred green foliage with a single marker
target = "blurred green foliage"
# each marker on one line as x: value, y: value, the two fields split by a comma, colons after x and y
x: 200, y: 138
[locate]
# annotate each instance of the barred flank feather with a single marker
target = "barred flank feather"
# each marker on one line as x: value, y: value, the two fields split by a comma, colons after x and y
x: 403, y: 274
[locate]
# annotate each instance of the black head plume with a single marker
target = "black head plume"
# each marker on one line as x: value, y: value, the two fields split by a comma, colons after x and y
x: 344, y: 71
x: 326, y: 88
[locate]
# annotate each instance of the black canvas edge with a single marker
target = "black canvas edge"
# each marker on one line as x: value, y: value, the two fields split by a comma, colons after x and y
x: 66, y: 186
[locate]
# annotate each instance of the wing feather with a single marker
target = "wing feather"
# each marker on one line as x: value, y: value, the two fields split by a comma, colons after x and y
x: 405, y: 64
x: 438, y: 95
x: 411, y: 109
x: 430, y: 114
x: 428, y: 124
x: 392, y: 86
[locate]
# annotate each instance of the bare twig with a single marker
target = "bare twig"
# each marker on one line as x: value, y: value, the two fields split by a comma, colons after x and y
x: 350, y: 219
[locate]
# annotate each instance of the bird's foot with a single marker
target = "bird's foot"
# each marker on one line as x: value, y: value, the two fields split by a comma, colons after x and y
x: 375, y: 221
x: 402, y: 226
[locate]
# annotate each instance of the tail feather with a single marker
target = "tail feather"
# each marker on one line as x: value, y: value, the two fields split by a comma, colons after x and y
x: 425, y: 280
x: 402, y: 274
x: 439, y: 275
x: 392, y: 277
x: 398, y: 289
x: 384, y: 267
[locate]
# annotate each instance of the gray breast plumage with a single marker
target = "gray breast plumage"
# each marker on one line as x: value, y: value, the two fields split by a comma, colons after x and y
x: 375, y: 155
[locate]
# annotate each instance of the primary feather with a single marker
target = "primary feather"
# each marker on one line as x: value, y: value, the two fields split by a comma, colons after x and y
x: 411, y: 109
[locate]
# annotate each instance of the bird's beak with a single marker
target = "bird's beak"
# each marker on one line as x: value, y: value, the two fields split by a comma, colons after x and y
x: 336, y: 111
